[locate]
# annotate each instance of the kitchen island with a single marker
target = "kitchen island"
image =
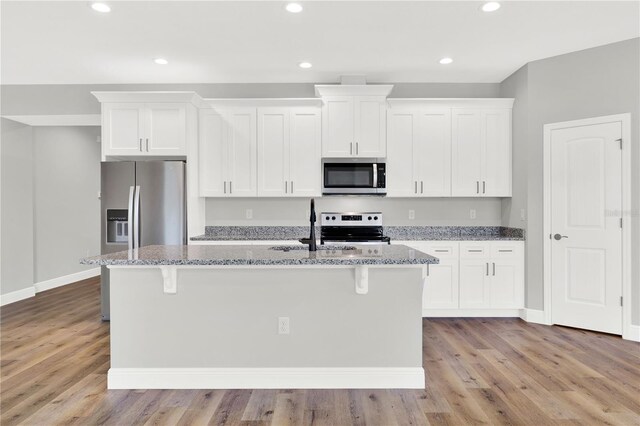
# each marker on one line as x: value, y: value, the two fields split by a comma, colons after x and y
x: 240, y: 316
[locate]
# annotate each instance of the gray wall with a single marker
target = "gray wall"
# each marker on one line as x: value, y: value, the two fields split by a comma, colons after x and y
x: 77, y: 99
x: 589, y: 83
x: 16, y: 217
x: 280, y: 211
x: 67, y: 208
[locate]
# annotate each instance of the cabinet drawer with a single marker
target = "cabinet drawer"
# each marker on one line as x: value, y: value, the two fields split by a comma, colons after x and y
x: 474, y: 250
x: 442, y: 250
x: 505, y: 249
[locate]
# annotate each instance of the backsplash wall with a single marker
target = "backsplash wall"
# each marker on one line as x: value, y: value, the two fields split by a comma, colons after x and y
x: 294, y: 212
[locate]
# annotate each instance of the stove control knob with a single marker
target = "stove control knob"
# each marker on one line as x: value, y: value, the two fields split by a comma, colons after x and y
x: 328, y: 218
x: 369, y: 218
x: 375, y: 218
x: 333, y: 218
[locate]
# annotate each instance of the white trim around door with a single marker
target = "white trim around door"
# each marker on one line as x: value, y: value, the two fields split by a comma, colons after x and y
x: 625, y: 120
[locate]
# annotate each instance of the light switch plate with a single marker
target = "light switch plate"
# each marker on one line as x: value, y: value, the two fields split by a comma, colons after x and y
x: 249, y: 214
x: 412, y: 214
x: 472, y: 213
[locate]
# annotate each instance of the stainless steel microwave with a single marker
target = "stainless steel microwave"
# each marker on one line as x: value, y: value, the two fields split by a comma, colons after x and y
x: 354, y: 176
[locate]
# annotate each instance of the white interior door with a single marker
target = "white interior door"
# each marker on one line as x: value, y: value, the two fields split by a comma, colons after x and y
x: 586, y: 249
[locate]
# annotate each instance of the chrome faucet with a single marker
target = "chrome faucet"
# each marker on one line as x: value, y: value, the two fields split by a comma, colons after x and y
x: 312, y: 233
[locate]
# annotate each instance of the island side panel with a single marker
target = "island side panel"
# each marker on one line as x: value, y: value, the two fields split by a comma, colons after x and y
x: 227, y: 318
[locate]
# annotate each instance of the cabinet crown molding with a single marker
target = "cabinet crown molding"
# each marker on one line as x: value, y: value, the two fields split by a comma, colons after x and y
x: 152, y: 96
x: 353, y: 89
x: 453, y: 102
x: 260, y: 102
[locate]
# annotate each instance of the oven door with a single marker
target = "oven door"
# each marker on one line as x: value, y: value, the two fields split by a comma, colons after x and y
x: 350, y: 177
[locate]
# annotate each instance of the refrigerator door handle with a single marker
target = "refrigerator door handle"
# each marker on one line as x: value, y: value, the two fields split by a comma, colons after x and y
x: 130, y: 218
x: 136, y: 218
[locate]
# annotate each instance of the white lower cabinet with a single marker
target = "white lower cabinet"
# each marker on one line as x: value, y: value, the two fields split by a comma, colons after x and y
x: 473, y: 278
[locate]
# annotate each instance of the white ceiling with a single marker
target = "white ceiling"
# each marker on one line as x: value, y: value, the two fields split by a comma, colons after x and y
x: 240, y: 41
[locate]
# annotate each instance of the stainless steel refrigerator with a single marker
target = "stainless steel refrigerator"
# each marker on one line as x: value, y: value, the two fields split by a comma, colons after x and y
x: 142, y: 203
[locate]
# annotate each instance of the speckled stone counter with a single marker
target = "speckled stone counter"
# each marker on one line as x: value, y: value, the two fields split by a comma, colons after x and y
x: 238, y: 255
x: 397, y: 233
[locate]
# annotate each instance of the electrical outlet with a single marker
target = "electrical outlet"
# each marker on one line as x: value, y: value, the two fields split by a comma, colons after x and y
x: 472, y: 214
x: 522, y: 216
x: 283, y: 325
x: 412, y: 214
x: 249, y: 214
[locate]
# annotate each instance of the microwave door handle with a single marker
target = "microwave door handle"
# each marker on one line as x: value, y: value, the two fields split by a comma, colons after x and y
x: 375, y: 175
x: 130, y: 218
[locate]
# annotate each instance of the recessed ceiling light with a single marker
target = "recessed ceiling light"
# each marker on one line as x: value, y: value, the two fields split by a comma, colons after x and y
x: 101, y: 7
x: 490, y: 6
x: 160, y: 61
x: 294, y: 7
x: 305, y: 65
x: 446, y: 61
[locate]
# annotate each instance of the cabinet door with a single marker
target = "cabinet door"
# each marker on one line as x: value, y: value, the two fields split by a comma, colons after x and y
x: 496, y: 135
x: 337, y: 126
x: 273, y: 152
x: 507, y: 274
x: 474, y: 283
x: 305, y: 174
x: 212, y: 154
x: 432, y: 150
x: 122, y: 128
x: 401, y: 161
x: 166, y: 129
x: 441, y: 285
x: 242, y: 161
x: 370, y: 136
x: 467, y: 153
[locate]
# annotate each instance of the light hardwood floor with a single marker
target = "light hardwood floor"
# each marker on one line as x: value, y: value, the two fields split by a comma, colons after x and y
x: 55, y: 356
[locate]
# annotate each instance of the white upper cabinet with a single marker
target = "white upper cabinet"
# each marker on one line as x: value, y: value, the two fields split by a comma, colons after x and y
x: 354, y: 120
x: 228, y: 153
x: 289, y: 152
x: 147, y: 124
x: 481, y: 141
x: 419, y: 152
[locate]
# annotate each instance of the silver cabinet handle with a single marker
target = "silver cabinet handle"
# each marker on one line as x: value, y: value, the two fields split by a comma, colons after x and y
x: 416, y: 187
x: 475, y: 251
x: 558, y: 237
x: 441, y: 251
x: 130, y: 216
x: 428, y: 270
x: 225, y: 186
x: 140, y: 144
x: 477, y: 187
x: 505, y: 251
x: 136, y: 219
x: 147, y: 144
x: 484, y: 187
x: 230, y: 188
x: 487, y: 268
x: 494, y: 269
x: 292, y: 187
x: 422, y: 187
x: 350, y: 148
x: 285, y: 187
x: 357, y: 148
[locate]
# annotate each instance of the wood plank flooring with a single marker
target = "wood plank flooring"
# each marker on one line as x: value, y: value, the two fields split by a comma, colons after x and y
x: 55, y: 356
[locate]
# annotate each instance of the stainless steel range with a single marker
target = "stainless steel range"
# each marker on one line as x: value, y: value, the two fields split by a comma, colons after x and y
x: 365, y: 228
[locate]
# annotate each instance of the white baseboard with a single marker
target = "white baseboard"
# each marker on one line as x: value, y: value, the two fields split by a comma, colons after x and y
x: 533, y: 315
x: 17, y: 295
x: 634, y: 333
x: 66, y: 279
x: 469, y: 313
x: 266, y: 378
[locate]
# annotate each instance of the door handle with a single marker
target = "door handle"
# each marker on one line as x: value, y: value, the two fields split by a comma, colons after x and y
x: 494, y: 269
x: 130, y: 216
x: 558, y: 237
x: 477, y: 187
x: 136, y: 218
x: 147, y: 144
x: 484, y: 187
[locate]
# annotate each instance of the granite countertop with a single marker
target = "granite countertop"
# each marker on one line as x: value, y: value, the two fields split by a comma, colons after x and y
x: 235, y: 255
x: 396, y: 233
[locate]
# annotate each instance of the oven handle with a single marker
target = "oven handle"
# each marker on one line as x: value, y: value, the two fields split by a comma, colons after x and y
x: 375, y: 175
